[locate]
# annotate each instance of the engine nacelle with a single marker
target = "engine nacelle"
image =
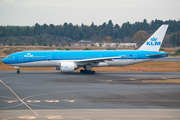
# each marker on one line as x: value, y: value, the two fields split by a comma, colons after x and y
x: 68, y: 66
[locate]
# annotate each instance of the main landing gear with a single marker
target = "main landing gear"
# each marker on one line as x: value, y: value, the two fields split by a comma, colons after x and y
x: 87, y: 71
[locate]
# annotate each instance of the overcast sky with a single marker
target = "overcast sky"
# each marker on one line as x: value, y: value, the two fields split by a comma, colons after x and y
x: 29, y: 12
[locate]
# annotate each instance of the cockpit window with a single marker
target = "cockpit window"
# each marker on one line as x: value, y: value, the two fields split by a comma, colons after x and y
x: 8, y: 57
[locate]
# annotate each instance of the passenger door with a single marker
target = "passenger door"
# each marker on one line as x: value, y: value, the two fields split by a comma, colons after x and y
x: 100, y: 56
x: 20, y: 58
x: 134, y: 56
x: 49, y: 57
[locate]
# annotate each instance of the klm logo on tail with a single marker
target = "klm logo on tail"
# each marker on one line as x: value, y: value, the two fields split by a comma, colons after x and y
x: 153, y: 42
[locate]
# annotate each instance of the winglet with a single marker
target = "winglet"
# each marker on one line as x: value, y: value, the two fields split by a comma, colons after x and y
x: 155, y: 41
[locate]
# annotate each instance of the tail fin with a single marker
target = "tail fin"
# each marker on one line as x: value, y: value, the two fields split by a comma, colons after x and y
x: 155, y: 41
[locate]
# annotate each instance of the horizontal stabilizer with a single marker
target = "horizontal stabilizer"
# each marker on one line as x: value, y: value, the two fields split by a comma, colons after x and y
x: 156, y: 55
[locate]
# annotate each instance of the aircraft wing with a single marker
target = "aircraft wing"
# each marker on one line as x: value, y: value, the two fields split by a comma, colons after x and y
x: 98, y: 59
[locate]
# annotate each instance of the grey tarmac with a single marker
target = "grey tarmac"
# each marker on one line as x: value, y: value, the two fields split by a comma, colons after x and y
x: 105, y: 95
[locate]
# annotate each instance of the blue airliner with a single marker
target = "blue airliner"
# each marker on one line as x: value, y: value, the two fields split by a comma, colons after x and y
x: 68, y: 61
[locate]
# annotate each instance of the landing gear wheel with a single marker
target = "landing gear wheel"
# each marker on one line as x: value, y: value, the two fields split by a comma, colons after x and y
x: 82, y: 71
x: 89, y: 72
x: 93, y: 72
x: 85, y: 72
x: 18, y: 72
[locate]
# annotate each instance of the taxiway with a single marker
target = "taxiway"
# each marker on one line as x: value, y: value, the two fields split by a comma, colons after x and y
x: 110, y: 95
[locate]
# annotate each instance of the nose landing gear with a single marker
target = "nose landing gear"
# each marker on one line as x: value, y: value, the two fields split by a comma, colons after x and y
x: 18, y: 71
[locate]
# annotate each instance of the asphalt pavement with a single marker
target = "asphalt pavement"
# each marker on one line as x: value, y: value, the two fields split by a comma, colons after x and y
x: 105, y: 95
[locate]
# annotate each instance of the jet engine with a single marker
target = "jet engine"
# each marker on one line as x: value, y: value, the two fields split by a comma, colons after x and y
x: 68, y: 66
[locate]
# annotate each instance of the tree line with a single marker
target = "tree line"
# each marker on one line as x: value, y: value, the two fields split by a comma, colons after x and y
x: 98, y: 32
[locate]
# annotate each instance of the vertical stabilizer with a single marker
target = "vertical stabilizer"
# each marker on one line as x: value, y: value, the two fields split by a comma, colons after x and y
x: 155, y: 41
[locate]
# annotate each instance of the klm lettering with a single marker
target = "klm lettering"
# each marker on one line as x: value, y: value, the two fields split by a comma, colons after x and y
x: 153, y: 43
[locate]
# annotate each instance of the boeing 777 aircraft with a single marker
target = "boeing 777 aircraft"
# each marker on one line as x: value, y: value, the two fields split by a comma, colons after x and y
x: 68, y: 61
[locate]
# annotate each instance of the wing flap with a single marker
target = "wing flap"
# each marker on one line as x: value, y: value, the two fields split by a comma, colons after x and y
x: 98, y: 59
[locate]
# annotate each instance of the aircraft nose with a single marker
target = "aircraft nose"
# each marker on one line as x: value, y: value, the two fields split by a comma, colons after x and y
x: 4, y: 60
